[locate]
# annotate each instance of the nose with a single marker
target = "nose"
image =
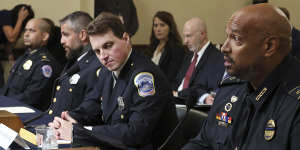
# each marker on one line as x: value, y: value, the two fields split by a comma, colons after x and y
x: 185, y: 41
x: 62, y: 41
x: 225, y: 47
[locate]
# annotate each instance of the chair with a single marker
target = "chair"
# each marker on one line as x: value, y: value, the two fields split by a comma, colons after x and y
x: 190, y: 127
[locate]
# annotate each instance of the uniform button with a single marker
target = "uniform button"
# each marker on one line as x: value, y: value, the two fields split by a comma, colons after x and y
x: 54, y: 100
x: 50, y: 112
x: 70, y: 90
x: 57, y: 88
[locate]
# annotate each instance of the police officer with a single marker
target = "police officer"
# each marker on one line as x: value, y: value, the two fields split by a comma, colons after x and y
x: 72, y: 88
x: 31, y: 78
x: 134, y: 96
x: 262, y: 113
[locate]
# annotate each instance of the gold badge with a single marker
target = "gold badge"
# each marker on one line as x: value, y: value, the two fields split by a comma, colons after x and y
x: 270, y: 130
x: 228, y: 107
x: 262, y: 92
x: 27, y: 65
x: 233, y: 99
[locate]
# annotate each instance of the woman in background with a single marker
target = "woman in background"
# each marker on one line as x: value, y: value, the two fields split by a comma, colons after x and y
x: 166, y: 44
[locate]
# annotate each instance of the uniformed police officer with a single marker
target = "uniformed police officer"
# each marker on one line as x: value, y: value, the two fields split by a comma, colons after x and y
x: 134, y: 96
x: 70, y: 90
x: 31, y: 78
x: 262, y: 113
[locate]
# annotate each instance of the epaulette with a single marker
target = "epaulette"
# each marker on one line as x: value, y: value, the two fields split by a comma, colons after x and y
x: 44, y: 58
x: 294, y: 90
x: 231, y: 81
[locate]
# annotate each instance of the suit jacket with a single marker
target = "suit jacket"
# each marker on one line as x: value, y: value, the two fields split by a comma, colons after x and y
x: 170, y: 60
x: 125, y: 8
x: 207, y: 74
x: 31, y: 78
x: 134, y: 112
x: 296, y: 42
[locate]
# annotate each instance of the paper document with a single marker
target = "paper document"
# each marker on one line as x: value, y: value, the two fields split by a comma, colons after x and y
x: 7, y: 136
x: 15, y: 110
x: 63, y: 142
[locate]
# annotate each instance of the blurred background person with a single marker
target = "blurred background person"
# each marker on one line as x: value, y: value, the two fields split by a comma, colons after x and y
x: 12, y: 23
x: 166, y: 46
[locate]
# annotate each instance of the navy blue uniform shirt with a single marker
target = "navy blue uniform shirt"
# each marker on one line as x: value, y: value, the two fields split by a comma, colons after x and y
x: 129, y: 112
x: 246, y: 119
x: 31, y: 78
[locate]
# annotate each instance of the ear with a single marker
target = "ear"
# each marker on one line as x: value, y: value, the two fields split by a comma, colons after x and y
x: 83, y: 36
x: 271, y: 46
x: 46, y: 36
x: 126, y: 37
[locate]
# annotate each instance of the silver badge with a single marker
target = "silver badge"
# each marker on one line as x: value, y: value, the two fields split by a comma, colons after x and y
x: 233, y: 99
x: 74, y: 79
x: 121, y: 104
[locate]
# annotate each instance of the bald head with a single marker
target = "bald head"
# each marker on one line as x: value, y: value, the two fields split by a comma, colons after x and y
x: 195, y: 34
x: 37, y: 32
x: 264, y: 20
x: 258, y: 39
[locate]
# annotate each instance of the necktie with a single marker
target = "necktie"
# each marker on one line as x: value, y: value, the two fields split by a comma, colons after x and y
x: 189, y: 72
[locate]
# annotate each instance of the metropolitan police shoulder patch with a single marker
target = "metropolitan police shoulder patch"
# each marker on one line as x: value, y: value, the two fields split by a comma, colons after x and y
x: 144, y: 82
x: 47, y: 71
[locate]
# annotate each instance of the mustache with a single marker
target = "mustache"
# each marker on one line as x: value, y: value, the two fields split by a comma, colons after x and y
x: 228, y: 58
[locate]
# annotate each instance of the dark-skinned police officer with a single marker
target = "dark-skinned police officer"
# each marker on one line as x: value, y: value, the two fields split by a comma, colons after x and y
x: 134, y: 96
x: 31, y: 78
x: 262, y: 113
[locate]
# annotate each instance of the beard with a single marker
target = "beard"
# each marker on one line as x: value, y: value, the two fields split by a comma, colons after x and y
x: 74, y: 53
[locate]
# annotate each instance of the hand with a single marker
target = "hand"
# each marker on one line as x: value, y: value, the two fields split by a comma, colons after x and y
x: 209, y: 99
x: 23, y: 13
x: 65, y: 115
x: 63, y: 126
x: 175, y: 93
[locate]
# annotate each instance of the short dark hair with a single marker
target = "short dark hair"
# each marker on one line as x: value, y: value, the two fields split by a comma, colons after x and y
x: 78, y: 20
x: 15, y: 14
x: 104, y: 23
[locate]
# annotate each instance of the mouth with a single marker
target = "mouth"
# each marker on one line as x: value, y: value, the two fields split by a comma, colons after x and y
x: 227, y: 61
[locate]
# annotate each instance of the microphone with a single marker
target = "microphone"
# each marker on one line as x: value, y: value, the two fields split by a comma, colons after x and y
x: 74, y: 69
x: 189, y: 103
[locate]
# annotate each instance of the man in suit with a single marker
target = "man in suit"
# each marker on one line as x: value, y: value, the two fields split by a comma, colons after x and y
x: 32, y: 76
x: 295, y: 35
x: 131, y: 100
x: 203, y: 68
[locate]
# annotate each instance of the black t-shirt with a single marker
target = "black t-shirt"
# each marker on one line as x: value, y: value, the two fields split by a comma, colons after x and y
x: 5, y: 19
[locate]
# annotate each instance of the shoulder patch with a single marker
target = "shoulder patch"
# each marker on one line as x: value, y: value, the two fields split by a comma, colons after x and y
x: 144, y: 82
x: 295, y: 92
x: 47, y: 71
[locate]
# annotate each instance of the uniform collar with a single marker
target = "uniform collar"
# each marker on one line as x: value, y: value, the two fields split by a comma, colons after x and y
x: 117, y: 72
x: 267, y: 88
x: 85, y: 51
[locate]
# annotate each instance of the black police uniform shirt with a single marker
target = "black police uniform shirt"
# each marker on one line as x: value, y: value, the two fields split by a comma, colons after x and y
x: 70, y: 91
x: 246, y: 119
x: 129, y: 112
x: 31, y: 78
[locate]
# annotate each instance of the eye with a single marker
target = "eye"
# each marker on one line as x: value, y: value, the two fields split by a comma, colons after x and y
x: 108, y: 45
x: 97, y: 51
